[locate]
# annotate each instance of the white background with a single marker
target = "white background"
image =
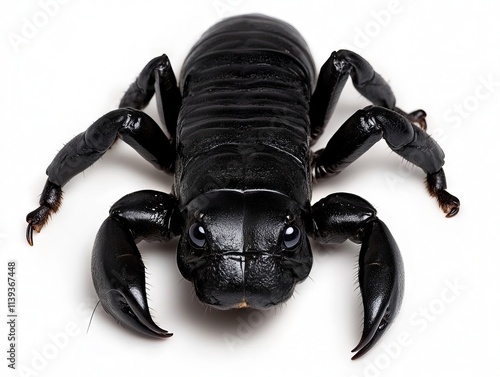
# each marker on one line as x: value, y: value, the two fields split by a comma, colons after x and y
x: 72, y: 65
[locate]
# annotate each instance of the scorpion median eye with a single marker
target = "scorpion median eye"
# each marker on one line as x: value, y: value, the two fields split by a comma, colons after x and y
x: 291, y: 237
x: 197, y: 235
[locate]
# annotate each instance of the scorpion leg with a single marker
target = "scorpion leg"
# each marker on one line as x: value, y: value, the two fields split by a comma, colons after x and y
x: 363, y: 129
x: 156, y: 77
x: 332, y: 78
x: 118, y: 272
x: 133, y: 126
x: 342, y: 216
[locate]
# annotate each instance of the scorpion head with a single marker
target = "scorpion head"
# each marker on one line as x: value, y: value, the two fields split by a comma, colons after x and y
x: 244, y: 249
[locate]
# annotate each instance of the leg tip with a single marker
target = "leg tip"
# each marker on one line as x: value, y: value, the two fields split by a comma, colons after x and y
x: 448, y: 203
x: 417, y: 116
x: 36, y: 220
x: 453, y: 211
x: 29, y: 234
x: 436, y: 185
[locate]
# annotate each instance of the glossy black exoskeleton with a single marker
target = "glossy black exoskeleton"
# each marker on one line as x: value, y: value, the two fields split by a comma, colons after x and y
x: 240, y: 126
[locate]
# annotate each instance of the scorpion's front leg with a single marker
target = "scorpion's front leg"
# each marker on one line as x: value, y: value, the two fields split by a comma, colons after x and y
x: 134, y: 127
x: 341, y: 216
x: 117, y: 267
x: 365, y: 127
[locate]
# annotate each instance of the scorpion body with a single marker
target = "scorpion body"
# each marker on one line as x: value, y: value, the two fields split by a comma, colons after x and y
x: 239, y: 131
x: 246, y: 87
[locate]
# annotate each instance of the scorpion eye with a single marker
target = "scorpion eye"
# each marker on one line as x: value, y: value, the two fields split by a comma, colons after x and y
x: 197, y: 235
x: 291, y: 237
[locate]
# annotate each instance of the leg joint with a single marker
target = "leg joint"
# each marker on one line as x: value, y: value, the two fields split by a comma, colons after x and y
x: 396, y: 130
x: 341, y: 216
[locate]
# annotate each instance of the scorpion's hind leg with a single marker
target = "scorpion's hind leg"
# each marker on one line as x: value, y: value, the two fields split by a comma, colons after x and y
x: 157, y: 77
x: 341, y: 216
x: 133, y: 126
x: 363, y: 129
x: 118, y: 272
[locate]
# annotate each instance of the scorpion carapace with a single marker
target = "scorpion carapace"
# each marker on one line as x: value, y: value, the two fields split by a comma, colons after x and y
x: 239, y: 131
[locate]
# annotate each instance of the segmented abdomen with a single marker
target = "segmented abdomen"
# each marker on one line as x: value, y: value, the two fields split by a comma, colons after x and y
x: 244, y: 120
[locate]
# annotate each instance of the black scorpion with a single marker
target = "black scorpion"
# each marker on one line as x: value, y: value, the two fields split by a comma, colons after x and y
x: 240, y: 126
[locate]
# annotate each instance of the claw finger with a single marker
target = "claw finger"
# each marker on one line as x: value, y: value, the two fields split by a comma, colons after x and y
x: 370, y: 336
x: 381, y: 280
x: 125, y: 308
